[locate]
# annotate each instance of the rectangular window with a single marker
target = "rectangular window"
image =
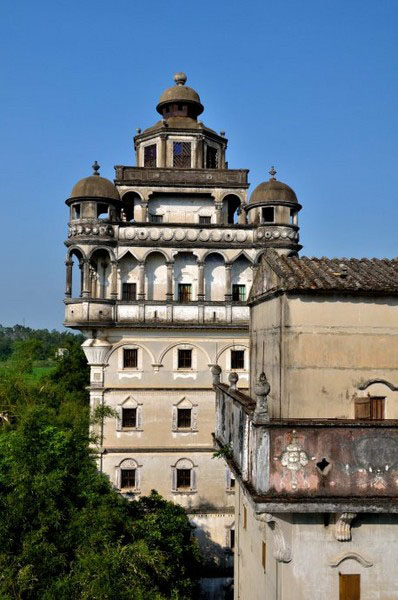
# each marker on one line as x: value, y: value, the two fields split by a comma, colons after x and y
x: 183, y: 479
x: 130, y: 358
x: 211, y: 158
x: 268, y: 214
x: 184, y: 359
x: 232, y: 482
x: 349, y: 587
x: 237, y: 359
x: 184, y: 418
x: 204, y: 220
x: 182, y: 155
x: 369, y: 409
x: 127, y: 478
x: 129, y: 291
x: 102, y: 211
x: 263, y: 555
x: 129, y: 417
x: 232, y: 539
x: 156, y: 218
x: 150, y: 156
x: 184, y: 292
x: 238, y: 293
x: 76, y: 211
x: 293, y: 216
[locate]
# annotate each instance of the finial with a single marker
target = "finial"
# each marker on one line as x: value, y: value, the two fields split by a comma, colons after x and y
x: 138, y: 130
x: 96, y: 168
x: 272, y: 172
x: 180, y: 78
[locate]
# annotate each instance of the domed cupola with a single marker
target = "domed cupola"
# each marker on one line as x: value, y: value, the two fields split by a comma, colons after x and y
x: 94, y: 197
x: 273, y: 207
x: 180, y: 100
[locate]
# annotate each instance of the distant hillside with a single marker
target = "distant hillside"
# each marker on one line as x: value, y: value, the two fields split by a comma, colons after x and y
x: 48, y: 341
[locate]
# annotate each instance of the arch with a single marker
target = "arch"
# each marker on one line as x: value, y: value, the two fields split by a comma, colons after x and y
x: 229, y: 346
x: 258, y: 256
x: 129, y: 275
x: 130, y: 199
x: 128, y: 463
x: 159, y: 251
x: 185, y: 276
x: 171, y: 346
x: 369, y: 382
x: 156, y: 276
x: 214, y: 277
x: 105, y: 248
x: 100, y: 273
x: 231, y: 204
x: 131, y: 343
x: 241, y: 278
x: 74, y: 285
x: 184, y: 463
x: 334, y: 562
x: 212, y: 251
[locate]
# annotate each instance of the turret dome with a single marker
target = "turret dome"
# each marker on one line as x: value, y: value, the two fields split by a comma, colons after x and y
x: 180, y: 93
x: 95, y: 186
x: 273, y: 192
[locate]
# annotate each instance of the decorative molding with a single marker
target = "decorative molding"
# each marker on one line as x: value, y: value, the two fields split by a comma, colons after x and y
x: 366, y: 384
x: 342, y: 528
x: 282, y: 550
x: 334, y: 562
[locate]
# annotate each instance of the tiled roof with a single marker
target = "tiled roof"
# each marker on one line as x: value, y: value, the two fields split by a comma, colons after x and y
x: 328, y: 274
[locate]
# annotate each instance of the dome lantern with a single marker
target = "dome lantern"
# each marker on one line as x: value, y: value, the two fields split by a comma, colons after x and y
x: 180, y: 100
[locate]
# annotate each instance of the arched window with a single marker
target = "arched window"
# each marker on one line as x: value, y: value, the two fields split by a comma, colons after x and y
x: 129, y: 277
x: 100, y: 274
x: 128, y: 476
x: 185, y: 277
x: 184, y: 475
x: 156, y: 276
x: 241, y: 279
x: 75, y: 279
x: 231, y: 204
x: 129, y: 202
x: 214, y: 274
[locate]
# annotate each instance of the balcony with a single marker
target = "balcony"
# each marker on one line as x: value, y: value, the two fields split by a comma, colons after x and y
x: 158, y: 176
x: 97, y: 312
x: 308, y: 464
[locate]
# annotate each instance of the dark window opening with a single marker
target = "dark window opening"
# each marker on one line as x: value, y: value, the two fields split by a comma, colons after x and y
x: 268, y: 214
x: 184, y: 292
x: 155, y: 218
x: 129, y: 417
x: 76, y: 211
x: 293, y: 216
x: 211, y: 158
x: 150, y: 156
x: 370, y: 409
x: 102, y: 211
x: 237, y: 359
x: 183, y: 479
x: 127, y: 478
x: 129, y: 291
x: 232, y: 483
x: 182, y: 155
x: 184, y: 359
x: 184, y: 418
x: 232, y: 539
x: 238, y: 293
x: 205, y: 220
x: 130, y: 358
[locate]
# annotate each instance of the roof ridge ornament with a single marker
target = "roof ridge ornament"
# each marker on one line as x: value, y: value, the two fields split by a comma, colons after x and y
x: 96, y: 168
x: 272, y: 172
x: 180, y: 78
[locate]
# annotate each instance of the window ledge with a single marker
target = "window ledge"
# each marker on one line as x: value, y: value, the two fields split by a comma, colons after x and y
x: 185, y: 430
x: 182, y: 492
x: 127, y: 429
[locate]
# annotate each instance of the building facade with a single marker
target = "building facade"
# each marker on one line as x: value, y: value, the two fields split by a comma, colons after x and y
x: 314, y: 446
x: 164, y: 259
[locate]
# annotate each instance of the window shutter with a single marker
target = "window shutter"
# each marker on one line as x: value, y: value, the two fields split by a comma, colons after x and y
x: 377, y: 407
x: 362, y: 409
x: 119, y: 418
x: 349, y: 587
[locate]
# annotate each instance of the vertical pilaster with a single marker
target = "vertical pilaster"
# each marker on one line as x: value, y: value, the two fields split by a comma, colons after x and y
x: 141, y: 281
x: 163, y: 151
x: 86, y: 279
x: 68, y: 288
x: 169, y: 282
x: 218, y: 213
x: 228, y: 289
x: 114, y: 279
x: 201, y: 281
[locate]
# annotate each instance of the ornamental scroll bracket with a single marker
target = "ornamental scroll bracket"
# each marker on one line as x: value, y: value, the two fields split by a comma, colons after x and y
x: 282, y: 550
x: 342, y: 528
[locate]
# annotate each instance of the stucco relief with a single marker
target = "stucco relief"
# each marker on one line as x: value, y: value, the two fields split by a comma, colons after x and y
x: 293, y: 459
x: 180, y: 234
x: 90, y: 230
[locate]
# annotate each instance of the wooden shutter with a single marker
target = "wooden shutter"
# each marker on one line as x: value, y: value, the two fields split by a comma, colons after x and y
x: 362, y: 409
x: 377, y: 407
x: 349, y: 587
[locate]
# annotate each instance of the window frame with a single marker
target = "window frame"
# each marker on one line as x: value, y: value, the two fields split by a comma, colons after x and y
x: 180, y: 360
x: 129, y: 402
x: 184, y: 464
x: 233, y: 356
x: 125, y: 291
x: 265, y: 208
x: 128, y: 464
x: 237, y: 296
x: 184, y: 418
x: 181, y: 297
x: 127, y: 366
x: 183, y: 156
x: 153, y: 159
x: 132, y: 410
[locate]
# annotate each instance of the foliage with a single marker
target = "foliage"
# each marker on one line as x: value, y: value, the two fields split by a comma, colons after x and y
x: 47, y: 342
x: 225, y: 451
x: 65, y: 532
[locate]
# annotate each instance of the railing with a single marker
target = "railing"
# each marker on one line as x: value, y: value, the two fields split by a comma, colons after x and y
x: 192, y: 177
x: 80, y: 311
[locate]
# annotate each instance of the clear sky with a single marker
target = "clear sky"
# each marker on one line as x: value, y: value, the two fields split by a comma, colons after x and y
x: 310, y: 86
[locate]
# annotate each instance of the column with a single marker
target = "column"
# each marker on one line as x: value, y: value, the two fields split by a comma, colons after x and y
x: 144, y: 211
x: 228, y: 290
x: 218, y: 213
x: 163, y: 151
x: 68, y: 289
x: 242, y: 215
x: 201, y: 281
x: 86, y: 279
x: 200, y: 152
x: 114, y: 279
x: 141, y: 281
x: 169, y: 283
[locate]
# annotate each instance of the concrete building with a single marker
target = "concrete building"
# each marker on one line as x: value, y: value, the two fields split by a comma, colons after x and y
x: 164, y: 259
x: 314, y: 445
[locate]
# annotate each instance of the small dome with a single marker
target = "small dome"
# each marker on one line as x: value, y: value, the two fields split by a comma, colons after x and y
x: 95, y: 187
x: 180, y: 93
x: 272, y: 192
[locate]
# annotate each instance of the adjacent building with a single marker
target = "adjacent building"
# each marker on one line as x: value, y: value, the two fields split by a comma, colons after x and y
x: 314, y: 445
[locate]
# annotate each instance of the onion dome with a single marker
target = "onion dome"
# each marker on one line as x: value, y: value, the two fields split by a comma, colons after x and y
x: 95, y: 187
x: 180, y: 93
x: 273, y: 192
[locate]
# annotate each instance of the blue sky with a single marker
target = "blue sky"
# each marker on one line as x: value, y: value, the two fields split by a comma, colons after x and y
x: 309, y: 86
